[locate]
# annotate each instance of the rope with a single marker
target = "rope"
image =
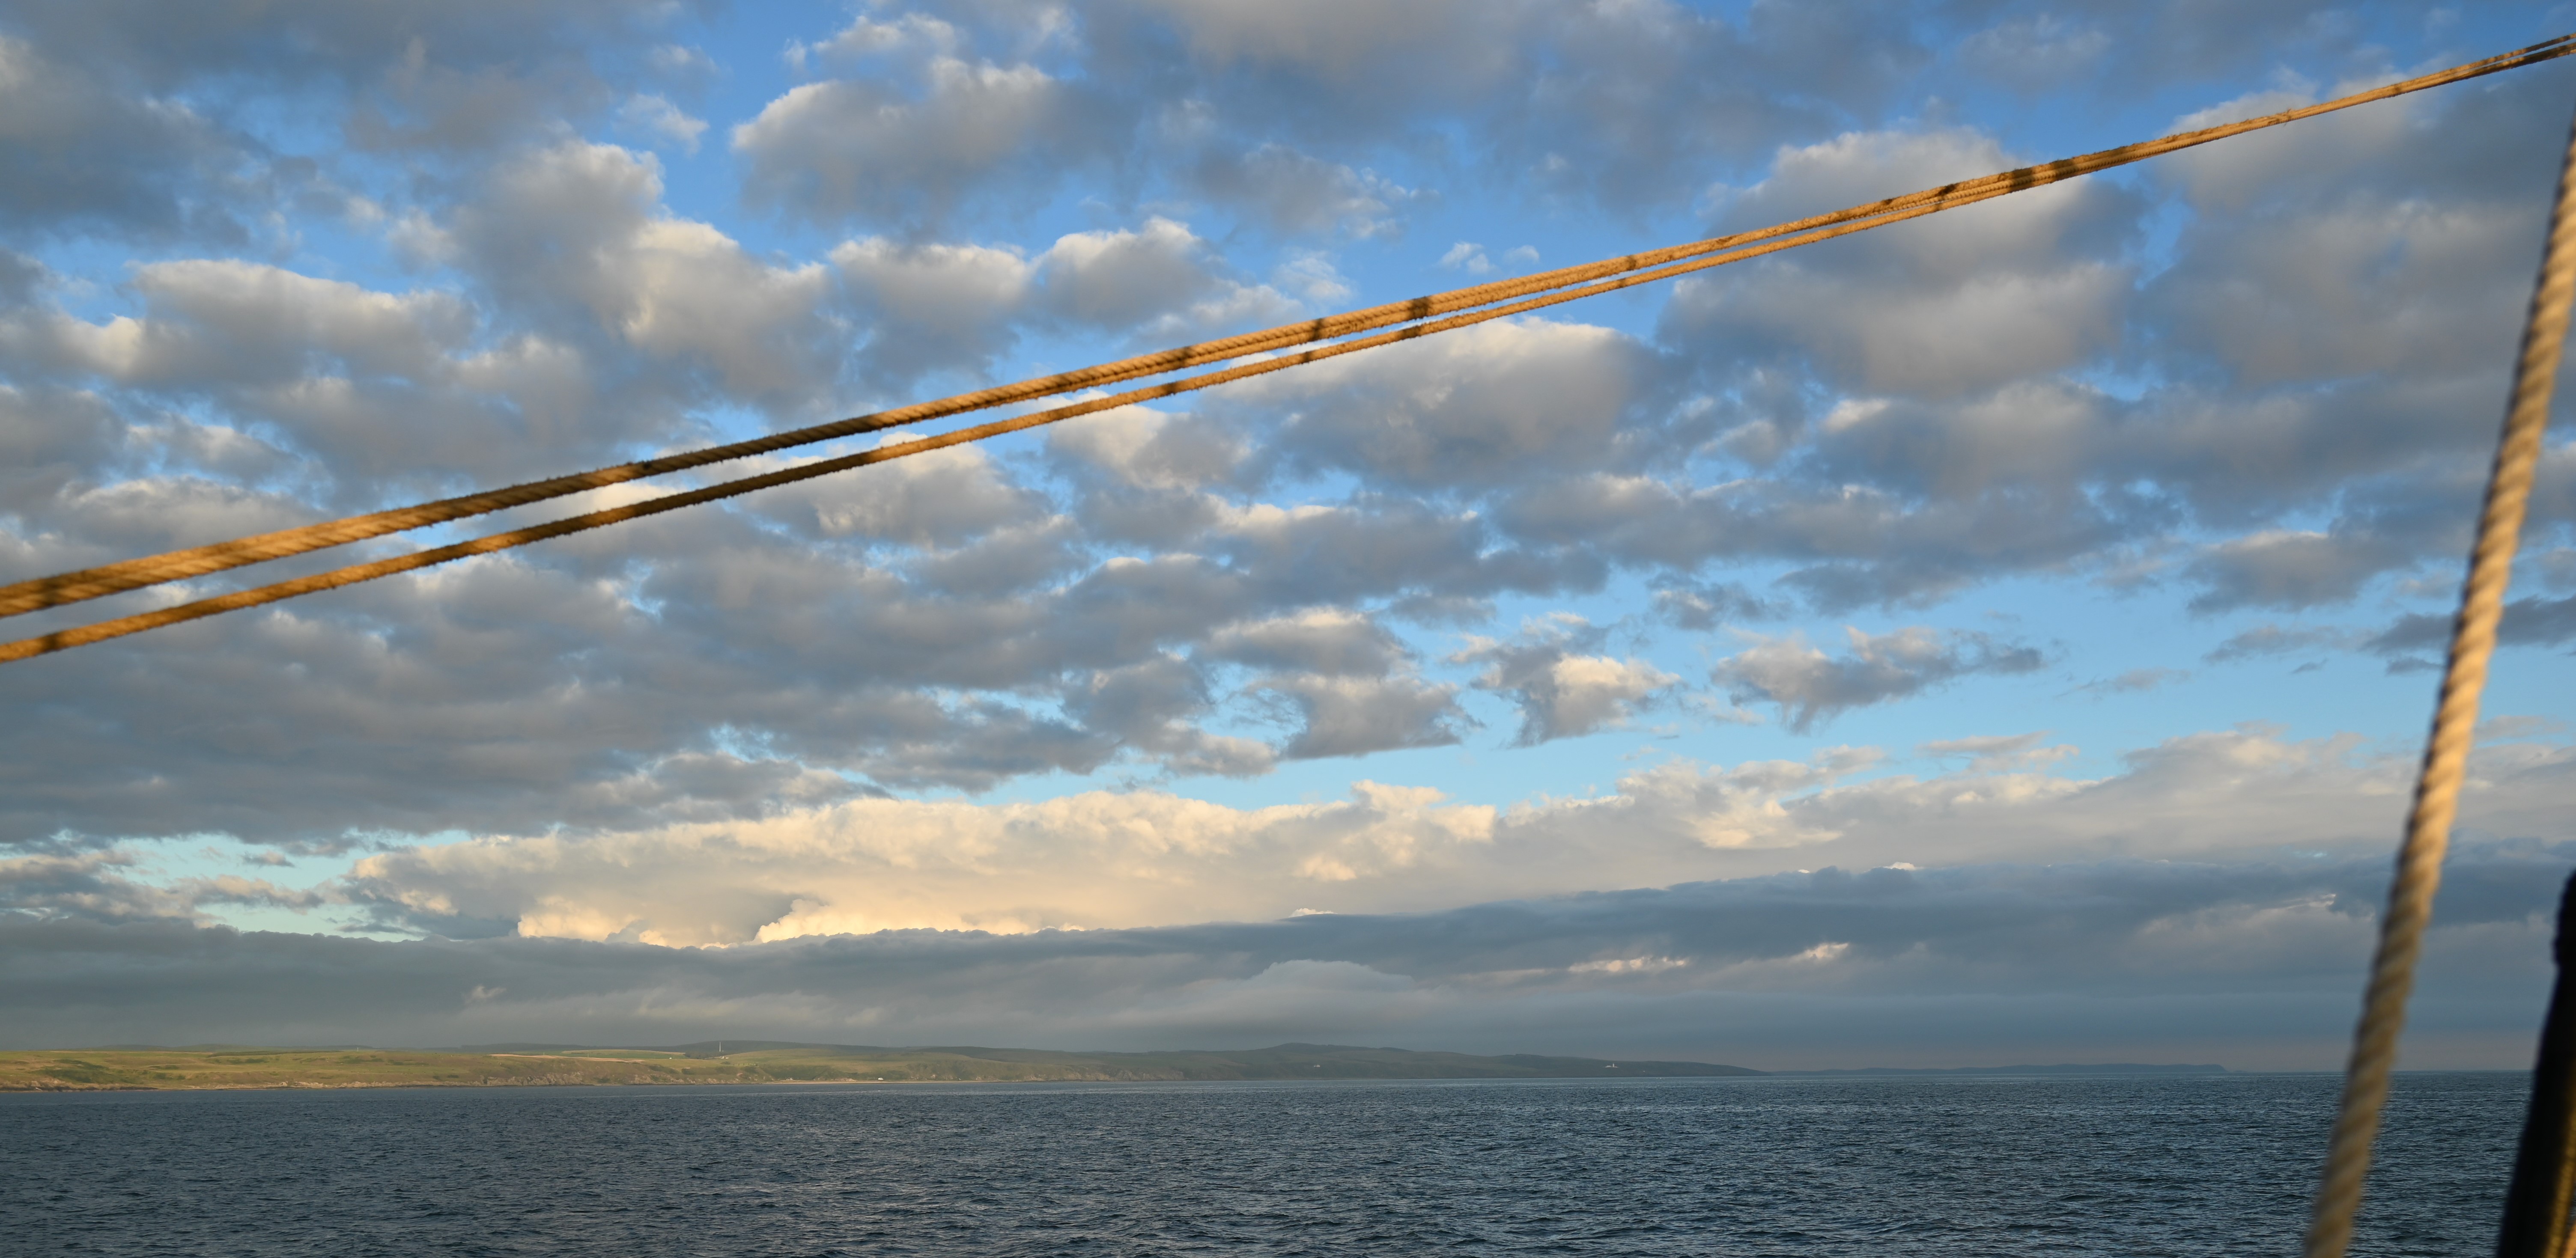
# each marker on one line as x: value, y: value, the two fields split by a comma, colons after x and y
x: 66, y: 639
x: 2446, y: 752
x: 73, y: 587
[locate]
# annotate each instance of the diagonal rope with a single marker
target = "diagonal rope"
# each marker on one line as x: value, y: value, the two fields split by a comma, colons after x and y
x: 66, y: 639
x: 73, y: 587
x: 2446, y: 751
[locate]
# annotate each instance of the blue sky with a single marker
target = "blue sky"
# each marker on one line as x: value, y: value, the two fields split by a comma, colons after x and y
x: 2102, y: 530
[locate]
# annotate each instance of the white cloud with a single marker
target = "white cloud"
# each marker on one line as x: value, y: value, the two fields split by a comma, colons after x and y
x: 1353, y: 716
x: 79, y: 152
x: 1561, y: 692
x: 2290, y: 570
x: 1949, y: 306
x: 1467, y: 256
x: 1148, y: 448
x: 2034, y: 53
x: 1333, y: 642
x: 866, y: 37
x: 1086, y: 860
x: 846, y: 148
x: 1294, y: 192
x: 656, y: 117
x: 1496, y: 402
x: 582, y: 222
x: 1810, y: 686
x: 961, y: 306
x: 934, y: 306
x: 1117, y: 279
x: 943, y: 497
x: 1346, y: 42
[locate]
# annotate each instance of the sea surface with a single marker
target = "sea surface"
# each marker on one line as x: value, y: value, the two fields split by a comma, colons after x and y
x: 2128, y: 1165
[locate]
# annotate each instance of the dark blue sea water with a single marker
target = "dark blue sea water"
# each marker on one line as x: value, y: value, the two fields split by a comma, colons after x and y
x: 1987, y: 1166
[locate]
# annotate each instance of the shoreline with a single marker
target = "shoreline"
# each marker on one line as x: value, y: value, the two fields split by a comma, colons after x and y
x: 230, y: 1069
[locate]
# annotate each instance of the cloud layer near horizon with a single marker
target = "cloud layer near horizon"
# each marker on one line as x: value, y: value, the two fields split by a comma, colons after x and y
x: 2213, y: 901
x: 1102, y: 860
x: 2250, y: 964
x: 1154, y: 859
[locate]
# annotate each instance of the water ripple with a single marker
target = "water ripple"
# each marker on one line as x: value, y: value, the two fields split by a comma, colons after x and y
x: 1888, y: 1166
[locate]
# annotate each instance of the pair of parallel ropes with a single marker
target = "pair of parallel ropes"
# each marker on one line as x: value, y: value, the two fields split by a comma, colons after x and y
x: 1426, y: 316
x: 2446, y: 752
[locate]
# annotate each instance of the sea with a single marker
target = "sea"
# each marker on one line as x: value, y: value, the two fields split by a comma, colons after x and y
x: 2113, y: 1165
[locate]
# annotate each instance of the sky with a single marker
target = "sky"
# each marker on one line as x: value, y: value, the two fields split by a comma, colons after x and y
x: 1996, y: 638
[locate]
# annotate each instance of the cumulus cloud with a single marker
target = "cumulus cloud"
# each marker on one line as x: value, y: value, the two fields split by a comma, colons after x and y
x: 1561, y: 692
x: 658, y: 120
x: 848, y: 149
x: 867, y: 37
x: 1159, y: 277
x: 79, y: 154
x: 98, y: 886
x: 582, y: 222
x: 129, y: 120
x: 1357, y: 50
x: 1337, y: 643
x: 1628, y: 106
x: 1949, y: 307
x: 1353, y: 716
x: 2034, y: 53
x: 2291, y: 571
x: 1297, y: 193
x: 941, y: 498
x: 1495, y: 403
x: 961, y: 306
x: 222, y: 321
x: 1872, y: 433
x: 1148, y: 449
x: 2268, y: 639
x: 1708, y: 605
x: 1992, y: 752
x: 635, y: 312
x: 934, y: 305
x: 1810, y: 686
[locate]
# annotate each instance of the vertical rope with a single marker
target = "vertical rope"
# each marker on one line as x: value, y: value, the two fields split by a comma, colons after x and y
x: 2446, y: 752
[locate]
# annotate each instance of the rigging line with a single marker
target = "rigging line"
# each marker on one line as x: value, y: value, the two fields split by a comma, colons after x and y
x: 2446, y: 750
x: 73, y: 587
x: 63, y: 640
x: 1929, y: 201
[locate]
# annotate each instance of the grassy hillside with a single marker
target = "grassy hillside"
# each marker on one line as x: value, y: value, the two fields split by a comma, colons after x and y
x: 748, y: 1061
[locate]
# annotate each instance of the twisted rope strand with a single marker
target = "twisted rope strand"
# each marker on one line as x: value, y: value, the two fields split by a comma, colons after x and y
x: 2446, y: 751
x: 98, y: 582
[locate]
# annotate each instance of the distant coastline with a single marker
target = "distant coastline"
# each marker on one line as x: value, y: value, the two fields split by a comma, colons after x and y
x: 761, y: 1061
x: 2111, y: 1068
x: 215, y: 1067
